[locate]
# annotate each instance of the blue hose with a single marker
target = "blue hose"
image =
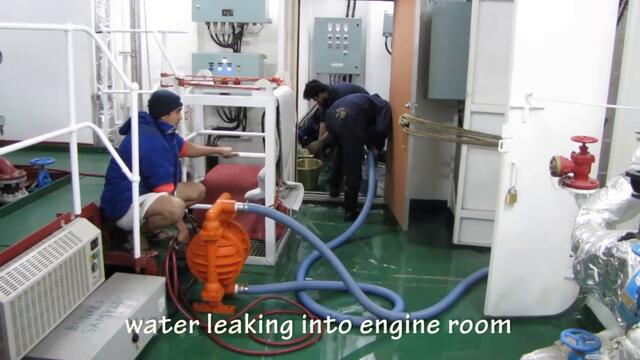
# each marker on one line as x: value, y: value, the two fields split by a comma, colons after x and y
x: 348, y: 283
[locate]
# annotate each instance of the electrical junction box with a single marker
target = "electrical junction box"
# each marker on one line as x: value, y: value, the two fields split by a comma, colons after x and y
x: 230, y: 11
x: 337, y: 46
x: 387, y: 25
x: 97, y: 328
x: 450, y: 29
x: 229, y: 64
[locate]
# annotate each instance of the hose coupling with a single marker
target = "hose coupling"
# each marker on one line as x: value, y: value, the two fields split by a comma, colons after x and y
x: 241, y: 288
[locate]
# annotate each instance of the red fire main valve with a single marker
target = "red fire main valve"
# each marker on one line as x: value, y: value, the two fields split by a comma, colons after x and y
x: 574, y: 173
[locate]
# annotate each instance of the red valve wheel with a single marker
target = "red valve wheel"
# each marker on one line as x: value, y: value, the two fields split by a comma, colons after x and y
x: 584, y: 139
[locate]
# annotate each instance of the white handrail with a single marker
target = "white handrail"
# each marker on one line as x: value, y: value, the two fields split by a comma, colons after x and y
x: 35, y: 140
x: 155, y: 33
x: 73, y: 137
x: 143, y: 31
x: 229, y: 133
x: 73, y: 128
x: 72, y: 27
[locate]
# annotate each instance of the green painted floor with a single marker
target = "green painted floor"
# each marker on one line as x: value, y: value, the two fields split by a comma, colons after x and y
x: 32, y: 216
x: 420, y: 264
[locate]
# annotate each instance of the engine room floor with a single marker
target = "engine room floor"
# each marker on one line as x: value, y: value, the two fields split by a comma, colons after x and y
x: 420, y: 264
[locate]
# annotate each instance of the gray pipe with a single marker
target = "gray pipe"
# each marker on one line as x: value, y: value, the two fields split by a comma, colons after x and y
x: 603, y: 265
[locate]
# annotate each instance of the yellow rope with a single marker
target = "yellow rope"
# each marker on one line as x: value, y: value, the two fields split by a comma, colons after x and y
x: 442, y: 132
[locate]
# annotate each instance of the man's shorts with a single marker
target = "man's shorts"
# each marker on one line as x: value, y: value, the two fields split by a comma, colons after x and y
x: 145, y: 201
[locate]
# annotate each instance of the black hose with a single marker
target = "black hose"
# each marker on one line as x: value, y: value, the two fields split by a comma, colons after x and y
x: 386, y: 44
x: 622, y: 9
x: 353, y: 11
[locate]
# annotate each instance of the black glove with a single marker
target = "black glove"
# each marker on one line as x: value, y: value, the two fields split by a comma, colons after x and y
x: 315, y: 147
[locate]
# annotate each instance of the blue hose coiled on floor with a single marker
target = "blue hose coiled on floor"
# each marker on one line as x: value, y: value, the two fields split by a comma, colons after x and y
x: 358, y: 290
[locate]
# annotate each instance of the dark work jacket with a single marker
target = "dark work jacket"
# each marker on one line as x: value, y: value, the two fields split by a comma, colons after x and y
x: 356, y: 121
x: 160, y: 147
x: 310, y: 131
x: 338, y: 91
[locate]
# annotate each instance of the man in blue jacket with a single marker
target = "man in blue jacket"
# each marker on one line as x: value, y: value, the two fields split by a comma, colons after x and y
x: 163, y: 198
x: 325, y: 96
x: 354, y: 122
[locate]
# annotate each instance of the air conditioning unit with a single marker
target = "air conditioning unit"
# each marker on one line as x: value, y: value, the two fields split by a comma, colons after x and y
x: 41, y: 287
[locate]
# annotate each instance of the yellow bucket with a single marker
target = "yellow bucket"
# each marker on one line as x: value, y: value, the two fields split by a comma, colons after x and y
x: 309, y: 172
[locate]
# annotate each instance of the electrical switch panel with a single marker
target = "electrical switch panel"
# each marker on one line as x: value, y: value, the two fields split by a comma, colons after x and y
x: 229, y: 64
x: 231, y: 11
x: 337, y: 46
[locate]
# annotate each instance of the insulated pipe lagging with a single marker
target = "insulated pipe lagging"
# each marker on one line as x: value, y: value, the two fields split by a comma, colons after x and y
x: 350, y: 283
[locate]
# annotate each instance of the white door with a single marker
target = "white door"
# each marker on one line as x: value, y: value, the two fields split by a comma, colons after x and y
x: 562, y: 50
x: 486, y: 107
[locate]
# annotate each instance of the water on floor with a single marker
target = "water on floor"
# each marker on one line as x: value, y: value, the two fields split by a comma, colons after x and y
x: 420, y: 264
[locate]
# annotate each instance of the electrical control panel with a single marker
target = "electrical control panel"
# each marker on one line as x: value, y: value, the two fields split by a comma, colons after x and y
x: 449, y: 55
x: 337, y: 46
x: 229, y: 64
x: 238, y: 11
x: 387, y: 25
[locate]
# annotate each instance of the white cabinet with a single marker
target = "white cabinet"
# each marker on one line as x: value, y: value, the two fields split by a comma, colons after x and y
x: 486, y: 107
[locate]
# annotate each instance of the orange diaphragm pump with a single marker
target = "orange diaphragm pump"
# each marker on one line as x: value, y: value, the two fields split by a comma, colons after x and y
x: 217, y: 254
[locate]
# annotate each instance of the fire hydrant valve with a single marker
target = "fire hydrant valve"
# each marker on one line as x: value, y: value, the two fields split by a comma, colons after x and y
x: 574, y: 172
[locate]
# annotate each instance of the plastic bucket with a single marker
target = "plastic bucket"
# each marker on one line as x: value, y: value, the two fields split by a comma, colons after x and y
x: 309, y: 172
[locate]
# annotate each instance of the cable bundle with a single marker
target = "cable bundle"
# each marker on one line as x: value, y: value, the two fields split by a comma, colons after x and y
x: 228, y: 36
x: 236, y: 116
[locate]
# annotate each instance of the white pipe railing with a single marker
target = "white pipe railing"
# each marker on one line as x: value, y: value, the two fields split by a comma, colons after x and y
x: 251, y: 155
x: 162, y: 45
x: 73, y: 136
x: 73, y: 128
x: 125, y: 91
x: 35, y: 140
x: 154, y: 33
x: 230, y: 133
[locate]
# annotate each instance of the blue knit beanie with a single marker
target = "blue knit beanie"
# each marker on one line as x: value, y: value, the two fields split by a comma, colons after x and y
x: 162, y: 102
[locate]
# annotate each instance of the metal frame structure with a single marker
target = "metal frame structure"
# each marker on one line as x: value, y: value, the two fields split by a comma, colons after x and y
x: 160, y: 38
x: 257, y: 99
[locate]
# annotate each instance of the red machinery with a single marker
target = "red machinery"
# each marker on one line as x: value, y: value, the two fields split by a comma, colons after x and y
x: 575, y: 173
x: 12, y: 182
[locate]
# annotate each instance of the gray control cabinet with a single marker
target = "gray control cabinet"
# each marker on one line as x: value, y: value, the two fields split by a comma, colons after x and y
x: 229, y: 64
x: 450, y: 29
x: 337, y: 46
x: 238, y: 11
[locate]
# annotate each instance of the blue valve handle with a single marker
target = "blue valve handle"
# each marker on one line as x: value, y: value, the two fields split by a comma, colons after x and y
x: 43, y: 178
x: 580, y: 340
x: 42, y: 161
